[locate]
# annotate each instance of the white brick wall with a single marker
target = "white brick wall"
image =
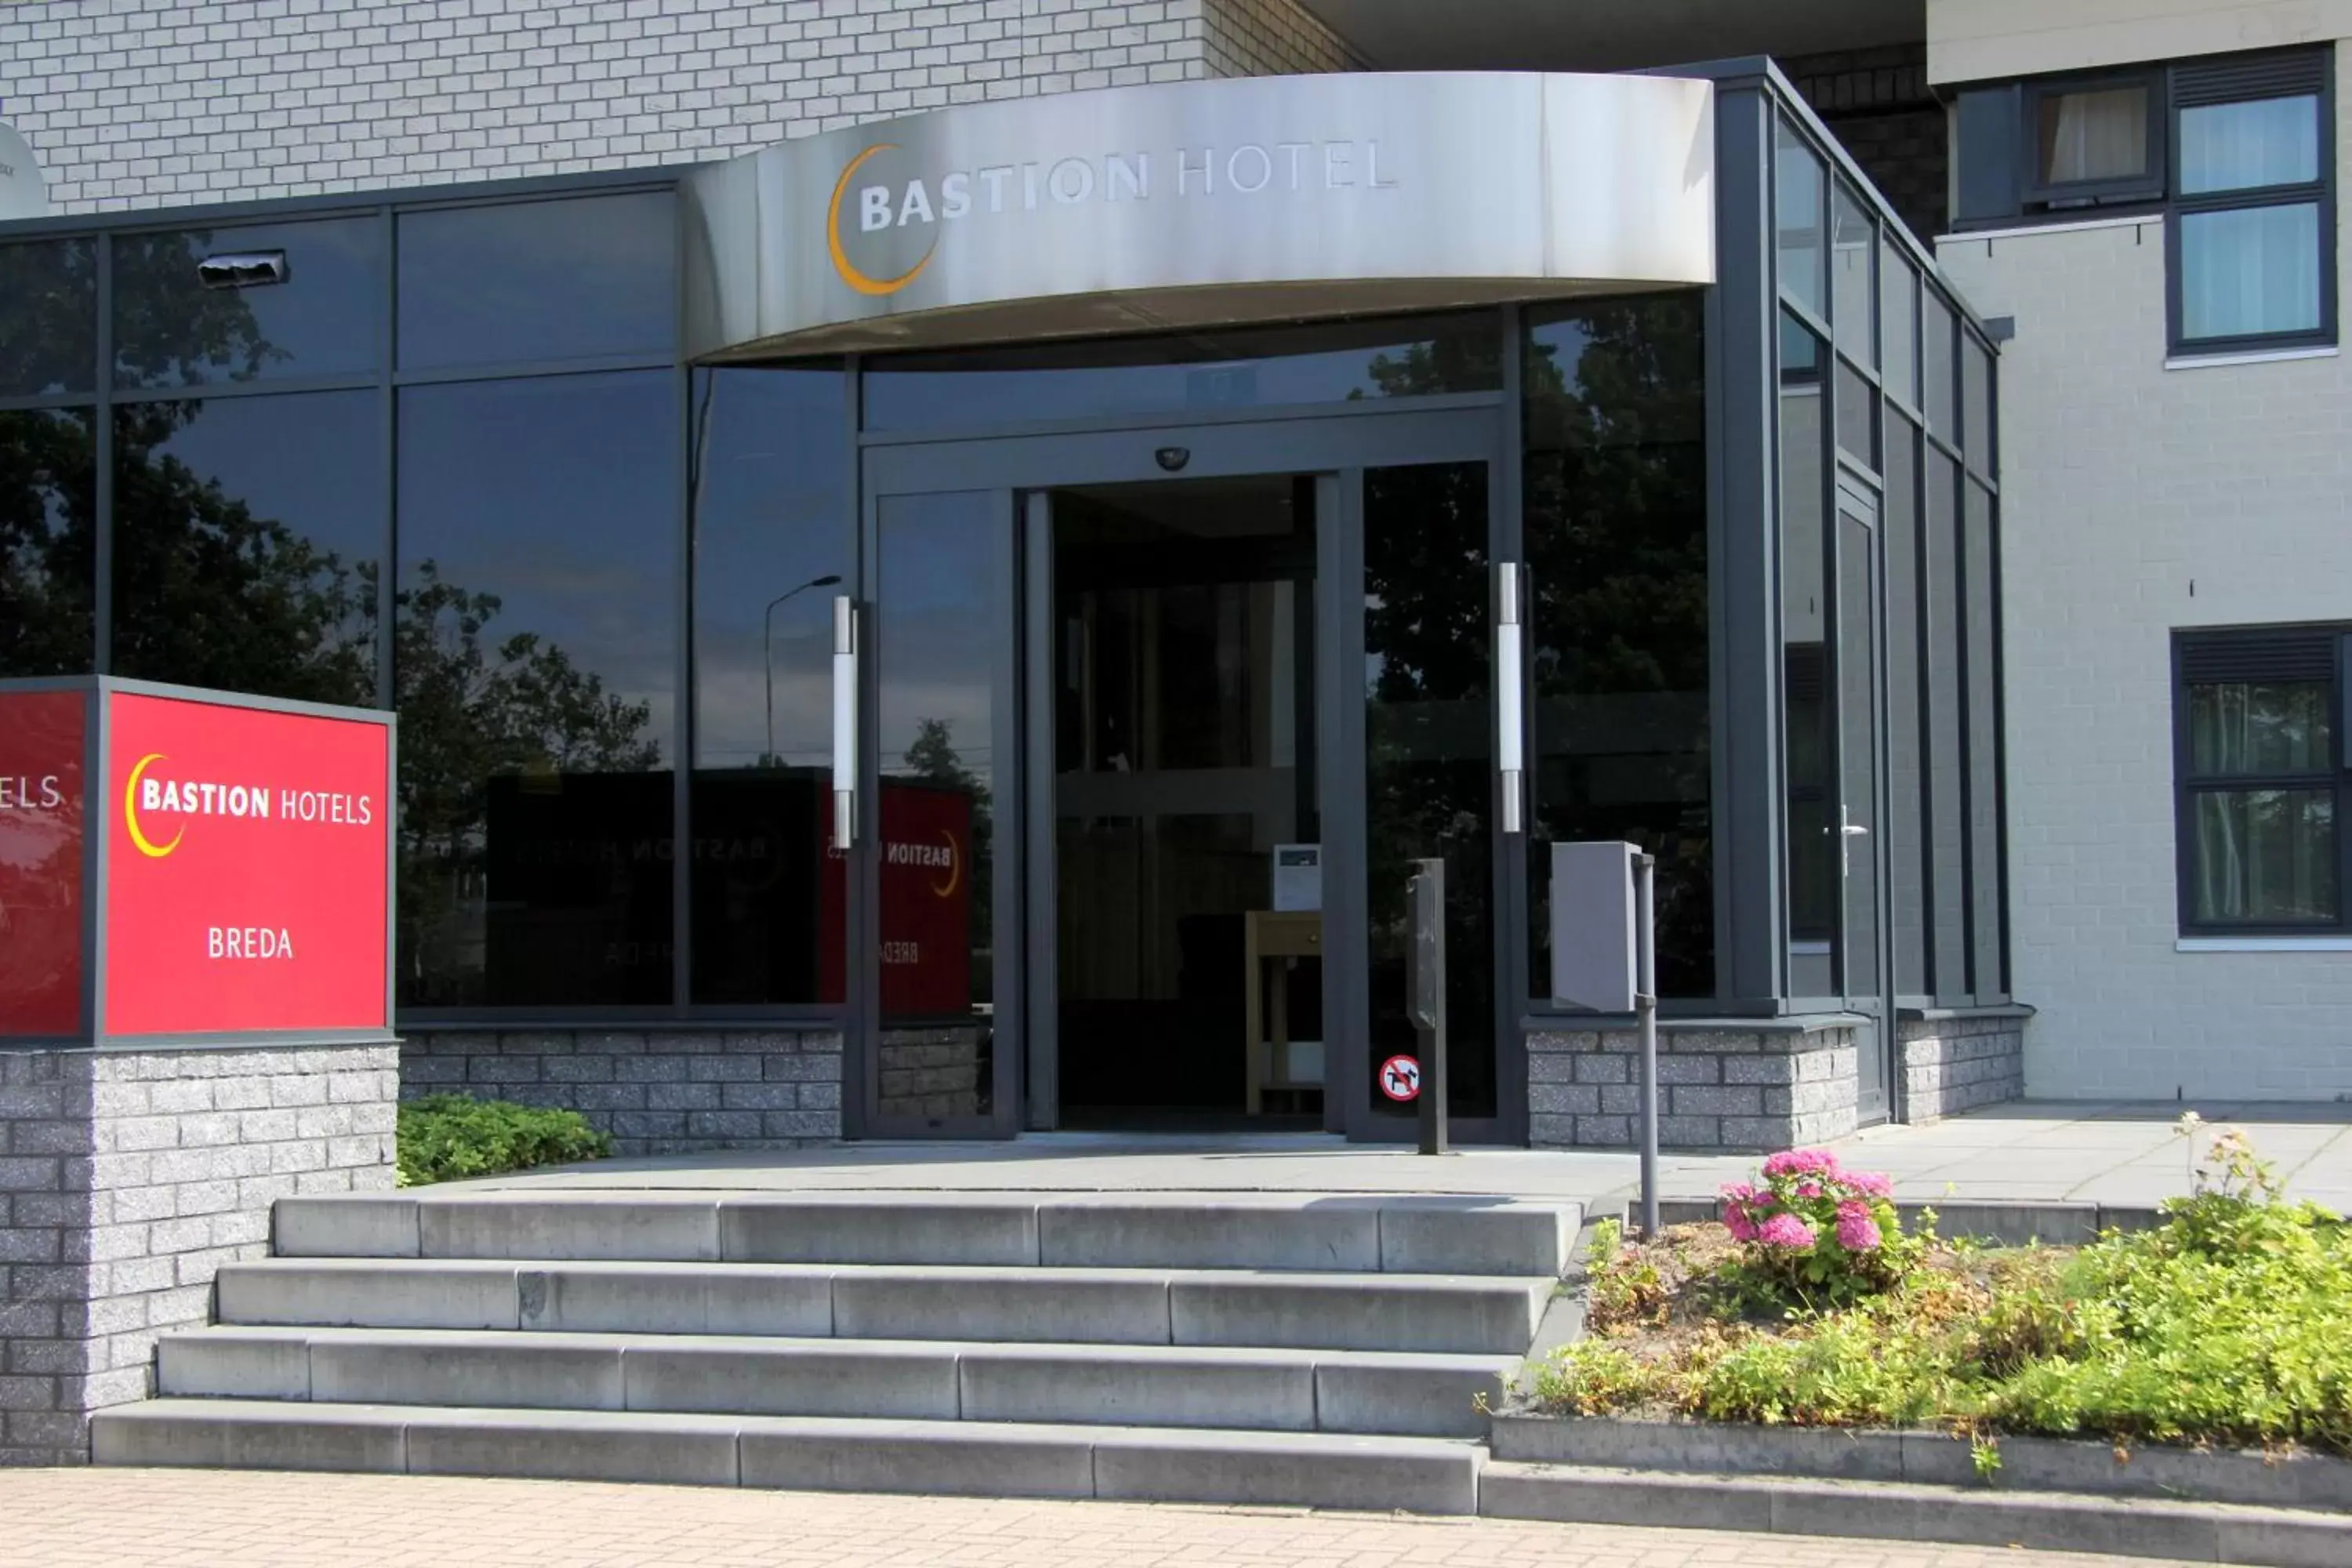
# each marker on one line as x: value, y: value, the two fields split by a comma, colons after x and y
x: 136, y: 103
x: 2138, y: 499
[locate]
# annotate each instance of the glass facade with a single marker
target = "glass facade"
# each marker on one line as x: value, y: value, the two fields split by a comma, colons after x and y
x: 535, y: 668
x: 1616, y: 519
x: 446, y: 452
x: 770, y: 486
x: 1909, y: 468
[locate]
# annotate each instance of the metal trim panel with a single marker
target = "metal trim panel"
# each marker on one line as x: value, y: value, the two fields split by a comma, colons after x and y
x: 1218, y: 451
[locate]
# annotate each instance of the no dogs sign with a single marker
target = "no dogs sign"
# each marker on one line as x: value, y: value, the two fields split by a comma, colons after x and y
x: 1400, y: 1079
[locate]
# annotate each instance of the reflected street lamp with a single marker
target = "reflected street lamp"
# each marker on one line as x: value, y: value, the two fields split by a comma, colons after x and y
x: 767, y: 647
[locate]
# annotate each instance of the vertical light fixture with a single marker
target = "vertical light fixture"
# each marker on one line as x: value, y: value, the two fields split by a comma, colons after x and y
x: 844, y: 722
x: 1510, y: 696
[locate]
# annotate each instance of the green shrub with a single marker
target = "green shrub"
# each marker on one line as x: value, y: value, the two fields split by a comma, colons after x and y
x: 2231, y: 1323
x: 448, y: 1137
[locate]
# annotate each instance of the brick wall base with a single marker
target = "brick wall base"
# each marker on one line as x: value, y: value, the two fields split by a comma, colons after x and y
x: 1722, y: 1088
x: 1958, y: 1061
x: 127, y: 1177
x: 655, y: 1091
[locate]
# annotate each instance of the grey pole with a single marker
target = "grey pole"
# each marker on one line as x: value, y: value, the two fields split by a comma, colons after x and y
x: 1425, y: 996
x: 768, y: 651
x: 1645, y: 1008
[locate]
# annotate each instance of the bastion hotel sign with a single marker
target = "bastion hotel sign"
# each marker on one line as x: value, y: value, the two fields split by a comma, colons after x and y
x: 178, y: 864
x: 1201, y: 201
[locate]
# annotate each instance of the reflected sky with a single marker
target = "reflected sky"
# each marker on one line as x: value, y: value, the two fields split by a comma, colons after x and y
x: 559, y: 495
x: 772, y: 513
x: 539, y: 280
x: 322, y: 320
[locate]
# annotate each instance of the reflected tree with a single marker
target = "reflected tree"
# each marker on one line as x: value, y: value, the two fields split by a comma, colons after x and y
x: 48, y: 544
x: 474, y: 709
x: 1616, y: 541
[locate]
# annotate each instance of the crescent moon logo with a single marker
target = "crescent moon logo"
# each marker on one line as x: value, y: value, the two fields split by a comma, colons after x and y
x: 130, y: 814
x: 955, y: 867
x: 865, y: 283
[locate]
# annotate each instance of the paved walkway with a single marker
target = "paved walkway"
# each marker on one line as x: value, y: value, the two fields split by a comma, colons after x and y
x: 2116, y: 1154
x: 2112, y: 1153
x: 199, y: 1519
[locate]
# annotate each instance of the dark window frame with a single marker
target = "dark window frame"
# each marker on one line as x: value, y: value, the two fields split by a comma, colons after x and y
x: 2335, y: 775
x: 2063, y: 198
x: 2012, y: 194
x: 2204, y: 84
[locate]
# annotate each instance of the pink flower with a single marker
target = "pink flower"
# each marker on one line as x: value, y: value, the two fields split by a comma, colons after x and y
x: 1800, y: 1162
x: 1856, y: 1230
x: 1740, y: 1192
x: 1871, y: 1184
x: 1808, y: 1189
x: 1735, y: 1220
x: 1785, y: 1230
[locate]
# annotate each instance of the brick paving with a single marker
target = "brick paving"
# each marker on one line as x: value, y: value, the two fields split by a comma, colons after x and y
x: 196, y: 1518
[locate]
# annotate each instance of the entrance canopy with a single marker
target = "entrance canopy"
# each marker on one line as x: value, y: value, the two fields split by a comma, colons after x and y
x: 1199, y: 203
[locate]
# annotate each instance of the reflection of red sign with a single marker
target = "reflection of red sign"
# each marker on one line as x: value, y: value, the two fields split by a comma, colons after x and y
x: 42, y: 735
x: 246, y: 868
x: 927, y: 903
x: 1400, y: 1079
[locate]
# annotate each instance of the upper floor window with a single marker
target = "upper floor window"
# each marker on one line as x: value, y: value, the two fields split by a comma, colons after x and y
x: 2094, y: 142
x: 2252, y: 241
x: 2258, y: 764
x: 2234, y: 152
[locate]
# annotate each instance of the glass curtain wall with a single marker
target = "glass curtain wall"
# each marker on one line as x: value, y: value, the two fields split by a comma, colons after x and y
x: 197, y: 489
x: 1614, y: 492
x: 1885, y: 385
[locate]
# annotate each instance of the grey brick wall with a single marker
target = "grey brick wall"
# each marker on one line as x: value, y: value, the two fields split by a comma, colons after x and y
x: 655, y: 1091
x: 1960, y: 1062
x: 137, y: 103
x: 1725, y: 1090
x: 128, y: 1178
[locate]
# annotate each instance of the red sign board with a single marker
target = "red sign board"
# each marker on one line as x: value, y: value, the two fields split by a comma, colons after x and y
x: 179, y: 864
x: 246, y: 858
x: 42, y: 739
x: 927, y: 903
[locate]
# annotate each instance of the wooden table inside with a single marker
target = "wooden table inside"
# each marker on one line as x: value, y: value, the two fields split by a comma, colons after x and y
x: 1274, y: 935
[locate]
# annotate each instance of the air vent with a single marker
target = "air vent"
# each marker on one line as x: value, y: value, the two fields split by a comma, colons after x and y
x: 251, y: 269
x: 2259, y: 656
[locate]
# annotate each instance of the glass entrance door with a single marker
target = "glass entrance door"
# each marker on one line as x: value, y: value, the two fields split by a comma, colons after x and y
x: 943, y: 958
x: 1184, y: 885
x: 1430, y: 782
x: 1154, y: 721
x: 1853, y: 827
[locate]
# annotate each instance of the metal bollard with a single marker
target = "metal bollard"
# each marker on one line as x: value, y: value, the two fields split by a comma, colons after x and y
x: 1425, y: 996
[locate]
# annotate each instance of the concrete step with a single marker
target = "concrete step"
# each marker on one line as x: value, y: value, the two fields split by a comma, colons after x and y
x: 1419, y: 1475
x: 1355, y: 1234
x: 2048, y: 1521
x: 1450, y: 1313
x: 1156, y: 1385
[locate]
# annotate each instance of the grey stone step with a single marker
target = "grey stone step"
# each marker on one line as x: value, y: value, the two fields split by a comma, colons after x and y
x: 1341, y: 1233
x: 1420, y: 1475
x: 2047, y: 1522
x: 1301, y: 1391
x: 1454, y: 1313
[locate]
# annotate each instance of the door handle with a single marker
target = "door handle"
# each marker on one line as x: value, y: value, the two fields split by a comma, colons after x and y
x: 844, y: 722
x: 1847, y: 832
x: 1510, y: 697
